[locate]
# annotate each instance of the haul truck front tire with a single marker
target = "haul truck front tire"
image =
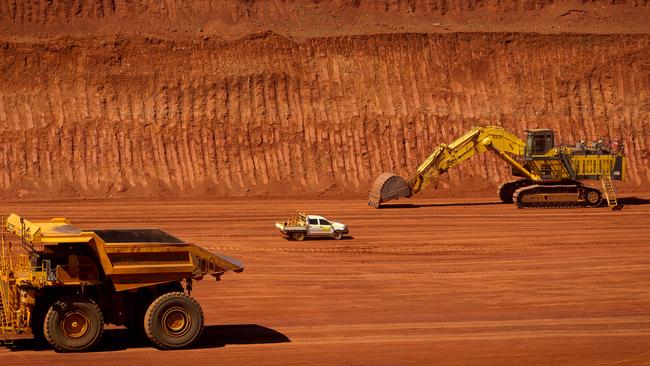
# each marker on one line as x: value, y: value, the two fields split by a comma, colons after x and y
x: 174, y: 320
x: 73, y: 324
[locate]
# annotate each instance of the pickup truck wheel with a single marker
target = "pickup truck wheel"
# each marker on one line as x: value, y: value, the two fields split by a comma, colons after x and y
x: 299, y: 236
x: 73, y: 324
x: 174, y: 320
x: 338, y: 235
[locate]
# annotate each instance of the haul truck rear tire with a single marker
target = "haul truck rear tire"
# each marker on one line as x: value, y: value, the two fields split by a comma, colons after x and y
x: 73, y: 324
x: 507, y: 190
x: 174, y: 320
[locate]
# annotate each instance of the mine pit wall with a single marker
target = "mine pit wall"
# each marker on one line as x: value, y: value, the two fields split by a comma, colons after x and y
x: 267, y: 115
x: 287, y: 12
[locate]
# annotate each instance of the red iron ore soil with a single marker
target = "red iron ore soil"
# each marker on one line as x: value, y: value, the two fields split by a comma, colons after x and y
x: 460, y: 282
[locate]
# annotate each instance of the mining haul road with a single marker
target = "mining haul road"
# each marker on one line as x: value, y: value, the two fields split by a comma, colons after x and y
x: 420, y: 282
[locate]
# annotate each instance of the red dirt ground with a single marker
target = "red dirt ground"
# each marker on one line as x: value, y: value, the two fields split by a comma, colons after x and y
x: 463, y: 282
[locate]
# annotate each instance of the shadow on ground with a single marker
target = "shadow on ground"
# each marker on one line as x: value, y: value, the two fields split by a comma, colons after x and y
x: 415, y: 205
x: 314, y: 238
x: 214, y: 336
x: 623, y: 201
x: 633, y: 201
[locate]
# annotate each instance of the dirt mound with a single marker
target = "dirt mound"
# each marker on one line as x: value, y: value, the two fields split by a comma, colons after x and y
x: 205, y: 104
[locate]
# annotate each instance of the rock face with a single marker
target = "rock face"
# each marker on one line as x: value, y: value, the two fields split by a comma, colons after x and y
x: 128, y: 113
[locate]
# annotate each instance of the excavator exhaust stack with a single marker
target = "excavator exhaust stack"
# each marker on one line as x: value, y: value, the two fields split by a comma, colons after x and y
x: 388, y: 187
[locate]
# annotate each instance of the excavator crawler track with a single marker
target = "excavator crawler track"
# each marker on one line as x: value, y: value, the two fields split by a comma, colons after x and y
x: 557, y: 196
x: 507, y: 189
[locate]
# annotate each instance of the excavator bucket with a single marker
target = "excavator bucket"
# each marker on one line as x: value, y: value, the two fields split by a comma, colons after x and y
x: 388, y: 187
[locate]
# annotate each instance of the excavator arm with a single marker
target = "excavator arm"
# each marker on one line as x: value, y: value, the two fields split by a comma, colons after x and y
x: 480, y: 139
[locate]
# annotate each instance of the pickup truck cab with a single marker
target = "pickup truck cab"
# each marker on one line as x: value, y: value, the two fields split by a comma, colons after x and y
x: 303, y: 226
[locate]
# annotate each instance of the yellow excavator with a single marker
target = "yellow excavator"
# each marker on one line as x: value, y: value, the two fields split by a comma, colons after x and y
x: 550, y: 176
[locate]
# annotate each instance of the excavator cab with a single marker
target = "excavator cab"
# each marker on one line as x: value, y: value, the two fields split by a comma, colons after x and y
x: 539, y: 142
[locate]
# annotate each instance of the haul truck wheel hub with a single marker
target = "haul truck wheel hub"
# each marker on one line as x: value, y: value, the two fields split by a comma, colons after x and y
x: 176, y: 321
x: 74, y: 325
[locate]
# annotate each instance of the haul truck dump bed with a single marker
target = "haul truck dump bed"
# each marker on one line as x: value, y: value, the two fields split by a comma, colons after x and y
x: 63, y: 283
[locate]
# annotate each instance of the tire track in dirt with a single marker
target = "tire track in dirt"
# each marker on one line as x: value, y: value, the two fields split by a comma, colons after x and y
x: 480, y: 284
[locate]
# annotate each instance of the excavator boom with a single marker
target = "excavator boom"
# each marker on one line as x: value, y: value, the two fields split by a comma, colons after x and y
x: 480, y: 139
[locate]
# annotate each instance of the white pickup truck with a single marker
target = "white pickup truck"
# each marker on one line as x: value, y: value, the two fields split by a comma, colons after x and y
x: 303, y: 226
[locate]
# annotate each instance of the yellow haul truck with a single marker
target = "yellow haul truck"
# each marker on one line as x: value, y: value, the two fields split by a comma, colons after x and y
x: 551, y: 176
x: 62, y: 284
